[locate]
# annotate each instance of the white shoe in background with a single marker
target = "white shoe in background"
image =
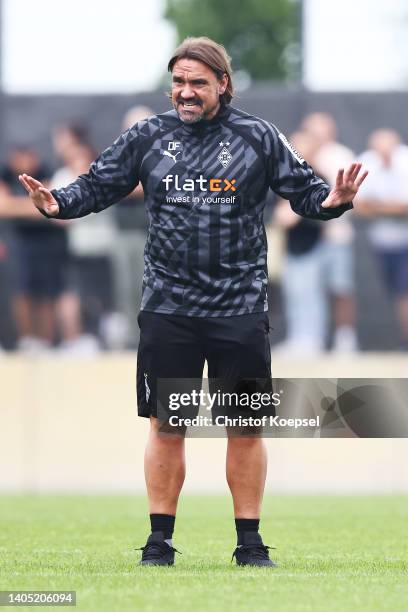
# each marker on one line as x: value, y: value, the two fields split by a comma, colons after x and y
x: 293, y: 348
x: 345, y: 339
x: 83, y: 346
x: 114, y: 330
x: 32, y: 345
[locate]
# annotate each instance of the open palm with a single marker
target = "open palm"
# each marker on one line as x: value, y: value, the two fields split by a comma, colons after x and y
x: 347, y: 185
x: 40, y: 195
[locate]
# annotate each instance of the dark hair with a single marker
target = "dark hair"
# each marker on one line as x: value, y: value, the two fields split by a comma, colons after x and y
x: 210, y: 53
x: 78, y: 130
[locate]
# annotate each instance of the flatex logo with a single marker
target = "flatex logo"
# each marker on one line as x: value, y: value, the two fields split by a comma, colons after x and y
x: 173, y: 149
x: 201, y: 183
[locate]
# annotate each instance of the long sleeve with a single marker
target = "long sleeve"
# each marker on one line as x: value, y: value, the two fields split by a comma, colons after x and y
x: 292, y: 178
x: 111, y: 177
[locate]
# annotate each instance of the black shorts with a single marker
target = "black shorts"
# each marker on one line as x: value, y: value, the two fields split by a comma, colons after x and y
x: 41, y: 258
x: 395, y: 268
x: 175, y: 347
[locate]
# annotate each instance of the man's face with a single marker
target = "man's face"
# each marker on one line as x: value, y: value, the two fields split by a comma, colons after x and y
x: 195, y: 90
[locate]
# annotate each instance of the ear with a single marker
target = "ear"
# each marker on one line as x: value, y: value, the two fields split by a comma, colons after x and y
x: 222, y: 84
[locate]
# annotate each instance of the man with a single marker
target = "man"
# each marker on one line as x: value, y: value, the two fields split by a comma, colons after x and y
x: 338, y: 237
x: 38, y: 253
x: 127, y: 256
x: 206, y: 169
x: 385, y: 202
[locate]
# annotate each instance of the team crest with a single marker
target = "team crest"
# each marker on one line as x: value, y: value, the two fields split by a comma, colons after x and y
x: 224, y: 156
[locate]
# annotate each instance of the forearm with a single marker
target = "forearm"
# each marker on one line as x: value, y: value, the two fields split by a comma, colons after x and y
x: 105, y: 184
x: 292, y: 178
x: 17, y: 207
x: 76, y: 200
x: 375, y: 208
x: 87, y: 195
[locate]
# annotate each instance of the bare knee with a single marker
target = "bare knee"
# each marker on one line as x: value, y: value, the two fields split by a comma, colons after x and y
x: 167, y: 437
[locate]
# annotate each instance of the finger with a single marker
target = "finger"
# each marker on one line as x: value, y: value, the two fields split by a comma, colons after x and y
x: 339, y: 178
x: 349, y: 172
x: 34, y: 184
x: 355, y: 172
x: 361, y: 179
x: 49, y: 205
x: 44, y: 191
x: 52, y: 209
x: 25, y: 184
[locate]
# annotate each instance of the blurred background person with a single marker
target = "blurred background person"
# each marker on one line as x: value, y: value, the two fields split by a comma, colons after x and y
x: 84, y: 308
x: 5, y: 286
x: 303, y: 278
x: 384, y: 199
x: 128, y: 255
x: 66, y: 136
x: 329, y: 155
x: 39, y: 254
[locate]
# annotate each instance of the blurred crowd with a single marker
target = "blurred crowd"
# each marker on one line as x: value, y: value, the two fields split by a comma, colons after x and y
x: 75, y: 287
x: 70, y: 286
x: 318, y: 279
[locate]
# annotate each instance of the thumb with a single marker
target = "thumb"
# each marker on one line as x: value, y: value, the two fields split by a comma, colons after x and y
x: 51, y: 209
x: 50, y: 206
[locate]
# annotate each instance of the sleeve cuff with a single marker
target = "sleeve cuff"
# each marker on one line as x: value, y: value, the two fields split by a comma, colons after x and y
x: 44, y: 214
x: 54, y: 193
x: 334, y: 213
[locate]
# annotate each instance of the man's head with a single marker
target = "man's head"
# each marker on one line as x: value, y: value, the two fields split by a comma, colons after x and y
x: 384, y: 142
x: 201, y: 79
x: 135, y: 114
x: 305, y: 144
x: 23, y: 159
x: 321, y: 126
x: 67, y: 136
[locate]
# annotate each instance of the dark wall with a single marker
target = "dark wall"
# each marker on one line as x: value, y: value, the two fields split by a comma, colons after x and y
x: 28, y: 120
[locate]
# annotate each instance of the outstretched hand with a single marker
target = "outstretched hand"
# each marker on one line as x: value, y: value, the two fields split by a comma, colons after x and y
x: 40, y: 195
x: 347, y: 185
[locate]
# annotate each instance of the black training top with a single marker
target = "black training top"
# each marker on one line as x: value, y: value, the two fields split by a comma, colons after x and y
x: 205, y: 188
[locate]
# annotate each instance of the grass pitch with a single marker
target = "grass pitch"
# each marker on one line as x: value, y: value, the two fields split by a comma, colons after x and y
x: 334, y: 554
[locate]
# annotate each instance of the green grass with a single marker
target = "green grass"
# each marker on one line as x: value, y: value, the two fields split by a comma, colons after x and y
x: 334, y: 554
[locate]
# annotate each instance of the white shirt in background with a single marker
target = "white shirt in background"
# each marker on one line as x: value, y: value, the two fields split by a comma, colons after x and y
x: 327, y: 162
x: 93, y: 235
x: 387, y: 184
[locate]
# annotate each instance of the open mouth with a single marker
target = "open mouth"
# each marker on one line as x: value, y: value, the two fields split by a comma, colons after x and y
x: 189, y: 106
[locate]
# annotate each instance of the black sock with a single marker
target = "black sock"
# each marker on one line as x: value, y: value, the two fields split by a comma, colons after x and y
x: 164, y: 523
x: 245, y: 525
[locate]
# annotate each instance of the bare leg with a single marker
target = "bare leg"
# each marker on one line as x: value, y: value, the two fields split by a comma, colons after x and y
x: 246, y: 474
x: 344, y: 310
x: 69, y: 312
x: 345, y: 337
x: 22, y: 312
x: 45, y: 312
x: 164, y: 469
